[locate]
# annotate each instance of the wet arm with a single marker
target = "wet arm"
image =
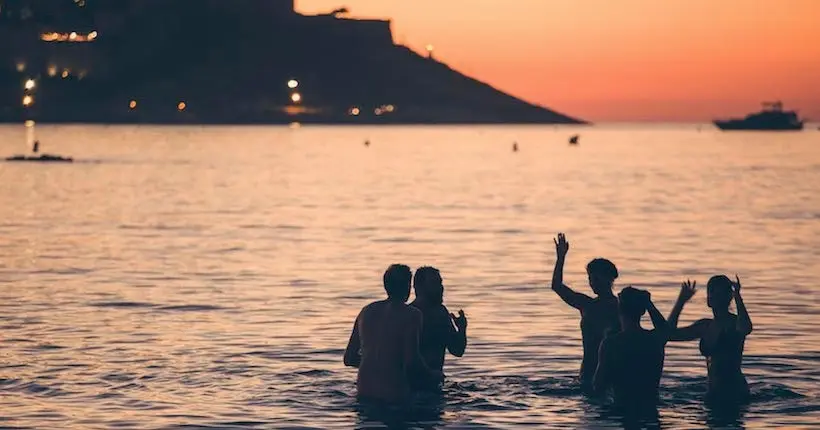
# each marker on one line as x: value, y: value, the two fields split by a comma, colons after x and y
x: 658, y: 321
x: 601, y: 381
x: 691, y: 332
x: 353, y: 356
x: 576, y: 300
x: 675, y: 314
x: 744, y: 322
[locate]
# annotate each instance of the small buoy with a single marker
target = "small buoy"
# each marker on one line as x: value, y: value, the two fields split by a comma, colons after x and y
x: 574, y: 139
x: 515, y: 146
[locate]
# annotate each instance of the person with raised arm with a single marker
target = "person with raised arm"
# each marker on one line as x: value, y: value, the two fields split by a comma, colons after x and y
x: 599, y: 315
x: 384, y: 344
x: 631, y: 361
x: 722, y: 337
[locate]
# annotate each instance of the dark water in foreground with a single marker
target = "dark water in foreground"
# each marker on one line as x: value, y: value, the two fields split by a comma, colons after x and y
x: 209, y: 277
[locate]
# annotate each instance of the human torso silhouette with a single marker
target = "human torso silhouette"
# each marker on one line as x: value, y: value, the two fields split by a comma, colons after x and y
x: 722, y: 346
x: 635, y: 366
x: 388, y: 334
x: 599, y: 318
x: 436, y: 331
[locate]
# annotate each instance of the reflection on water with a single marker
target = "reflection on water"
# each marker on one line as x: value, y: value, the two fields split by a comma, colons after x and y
x: 209, y: 276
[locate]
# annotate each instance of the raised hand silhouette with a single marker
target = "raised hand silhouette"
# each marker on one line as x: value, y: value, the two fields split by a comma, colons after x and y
x: 687, y: 290
x: 736, y: 285
x: 561, y: 245
x: 460, y: 320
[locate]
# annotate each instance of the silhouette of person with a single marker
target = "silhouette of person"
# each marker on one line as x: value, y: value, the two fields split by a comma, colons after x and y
x: 631, y: 361
x: 722, y: 338
x: 36, y: 148
x: 599, y: 315
x: 441, y: 331
x: 384, y: 344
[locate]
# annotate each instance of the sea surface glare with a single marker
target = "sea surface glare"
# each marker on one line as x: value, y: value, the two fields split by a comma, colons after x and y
x: 208, y: 277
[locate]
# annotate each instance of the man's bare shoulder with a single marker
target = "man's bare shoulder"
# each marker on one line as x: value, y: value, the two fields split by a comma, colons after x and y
x: 378, y: 304
x: 442, y: 310
x: 372, y: 307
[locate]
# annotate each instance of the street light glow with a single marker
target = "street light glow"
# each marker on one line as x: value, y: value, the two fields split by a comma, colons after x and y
x: 293, y: 83
x: 28, y: 100
x: 296, y: 97
x: 30, y: 84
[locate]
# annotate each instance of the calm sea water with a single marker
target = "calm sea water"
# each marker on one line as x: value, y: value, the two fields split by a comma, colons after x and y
x: 209, y: 277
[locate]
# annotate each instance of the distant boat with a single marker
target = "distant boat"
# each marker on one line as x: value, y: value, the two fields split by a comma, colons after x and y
x: 36, y: 157
x: 44, y: 158
x: 772, y: 117
x: 515, y: 146
x: 573, y: 140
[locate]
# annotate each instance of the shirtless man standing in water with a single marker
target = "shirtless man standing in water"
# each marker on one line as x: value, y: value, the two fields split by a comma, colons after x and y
x: 599, y: 315
x: 384, y: 345
x: 631, y: 361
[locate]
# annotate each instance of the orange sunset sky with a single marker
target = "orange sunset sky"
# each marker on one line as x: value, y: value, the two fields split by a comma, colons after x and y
x: 621, y: 60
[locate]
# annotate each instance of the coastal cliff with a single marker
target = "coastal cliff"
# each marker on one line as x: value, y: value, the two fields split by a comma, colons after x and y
x: 243, y: 61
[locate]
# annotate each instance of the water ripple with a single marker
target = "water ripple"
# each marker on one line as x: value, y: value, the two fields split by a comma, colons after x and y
x: 209, y: 277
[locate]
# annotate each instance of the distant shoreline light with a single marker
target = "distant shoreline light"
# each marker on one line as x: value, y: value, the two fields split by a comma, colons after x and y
x: 69, y: 37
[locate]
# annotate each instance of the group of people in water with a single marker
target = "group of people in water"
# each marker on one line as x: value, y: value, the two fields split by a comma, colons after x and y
x: 399, y: 349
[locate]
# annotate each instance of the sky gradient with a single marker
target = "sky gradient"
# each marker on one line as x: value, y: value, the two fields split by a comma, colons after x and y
x: 624, y: 60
